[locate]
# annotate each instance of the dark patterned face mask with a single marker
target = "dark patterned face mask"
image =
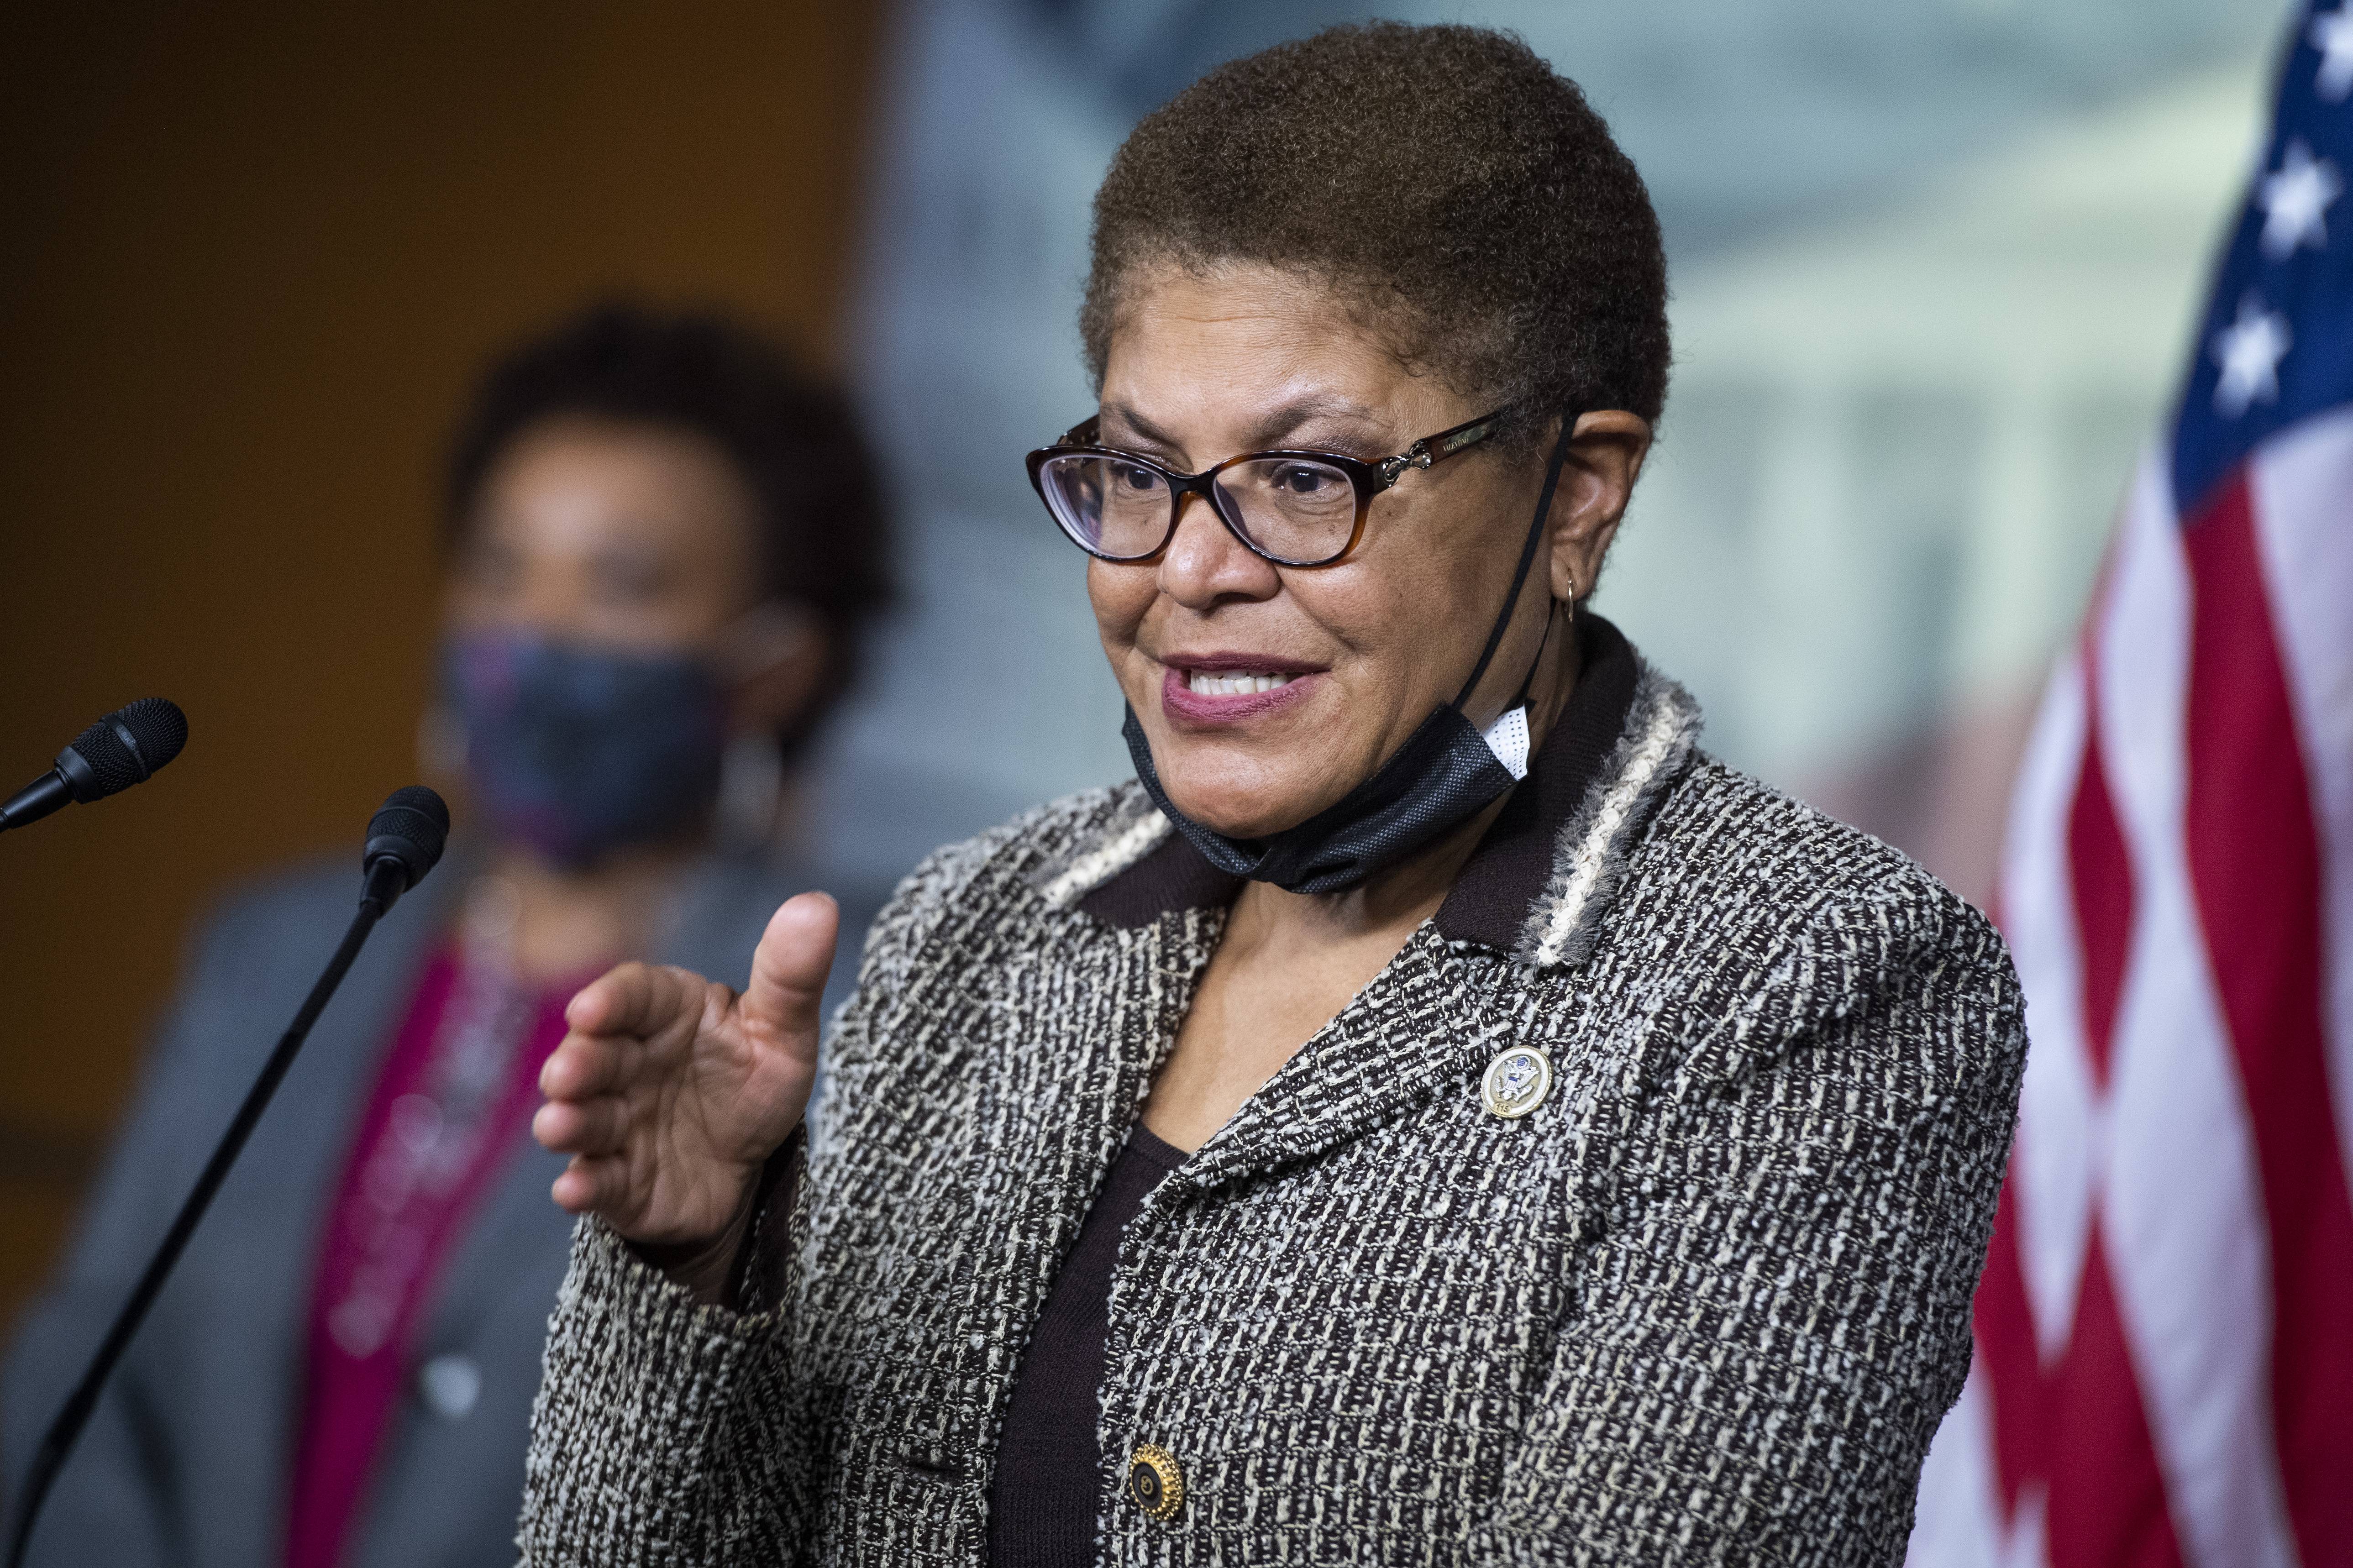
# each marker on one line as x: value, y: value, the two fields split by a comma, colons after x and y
x: 1445, y: 773
x: 578, y: 751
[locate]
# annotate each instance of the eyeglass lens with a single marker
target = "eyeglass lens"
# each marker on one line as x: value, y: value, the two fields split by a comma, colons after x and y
x: 1295, y: 509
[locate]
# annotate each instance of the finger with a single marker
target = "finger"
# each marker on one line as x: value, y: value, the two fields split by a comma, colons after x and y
x: 586, y: 1066
x: 636, y: 999
x: 589, y: 1127
x: 590, y: 1184
x: 789, y: 970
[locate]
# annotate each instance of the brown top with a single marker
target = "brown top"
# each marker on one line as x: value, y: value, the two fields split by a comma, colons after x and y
x: 1043, y: 1498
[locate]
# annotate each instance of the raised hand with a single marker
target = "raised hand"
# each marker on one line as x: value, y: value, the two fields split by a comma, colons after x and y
x: 672, y: 1090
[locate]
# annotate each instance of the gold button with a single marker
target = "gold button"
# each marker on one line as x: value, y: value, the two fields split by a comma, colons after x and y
x: 1517, y: 1082
x: 1155, y: 1481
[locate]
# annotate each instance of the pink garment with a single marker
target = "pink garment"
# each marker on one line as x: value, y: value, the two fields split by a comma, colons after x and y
x: 448, y: 1112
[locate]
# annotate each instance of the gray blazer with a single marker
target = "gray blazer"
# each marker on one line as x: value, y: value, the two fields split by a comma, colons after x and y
x: 188, y: 1458
x: 1630, y: 1215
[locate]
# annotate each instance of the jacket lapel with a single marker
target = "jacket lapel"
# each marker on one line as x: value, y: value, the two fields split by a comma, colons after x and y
x: 1417, y: 1030
x: 1046, y: 1117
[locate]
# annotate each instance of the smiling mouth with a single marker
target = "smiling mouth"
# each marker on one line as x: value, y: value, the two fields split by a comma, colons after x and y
x: 1234, y: 682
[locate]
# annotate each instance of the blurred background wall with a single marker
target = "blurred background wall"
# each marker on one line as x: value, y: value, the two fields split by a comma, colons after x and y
x: 251, y: 253
x: 1933, y: 267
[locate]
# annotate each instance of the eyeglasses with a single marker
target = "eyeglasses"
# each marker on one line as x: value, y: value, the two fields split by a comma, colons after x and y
x: 1295, y: 508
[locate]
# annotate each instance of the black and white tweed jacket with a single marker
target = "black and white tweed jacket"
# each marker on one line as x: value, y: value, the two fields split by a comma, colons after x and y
x: 1706, y: 1304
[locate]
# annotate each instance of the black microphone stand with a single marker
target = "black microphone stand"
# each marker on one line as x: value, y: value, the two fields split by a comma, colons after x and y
x: 393, y: 865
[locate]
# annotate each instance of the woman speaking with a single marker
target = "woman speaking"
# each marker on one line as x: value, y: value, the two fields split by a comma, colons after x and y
x: 1434, y: 1113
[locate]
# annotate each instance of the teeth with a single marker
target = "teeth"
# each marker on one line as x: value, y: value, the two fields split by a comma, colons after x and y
x: 1231, y: 682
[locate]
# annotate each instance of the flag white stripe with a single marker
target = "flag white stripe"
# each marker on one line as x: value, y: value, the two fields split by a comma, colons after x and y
x: 2054, y: 1160
x: 1959, y: 1524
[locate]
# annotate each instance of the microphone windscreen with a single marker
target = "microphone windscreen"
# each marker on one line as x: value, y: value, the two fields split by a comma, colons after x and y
x: 127, y: 746
x: 412, y: 826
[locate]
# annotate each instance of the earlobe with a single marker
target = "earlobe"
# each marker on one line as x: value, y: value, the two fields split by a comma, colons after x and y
x: 769, y: 633
x: 774, y: 658
x: 1607, y: 452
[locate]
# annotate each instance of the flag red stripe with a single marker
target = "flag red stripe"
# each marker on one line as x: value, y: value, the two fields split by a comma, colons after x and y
x: 2254, y: 862
x: 2100, y: 875
x: 2010, y: 1360
x: 2107, y: 1496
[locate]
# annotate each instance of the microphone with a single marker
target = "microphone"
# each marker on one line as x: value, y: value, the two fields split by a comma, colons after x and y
x: 405, y: 840
x: 120, y: 750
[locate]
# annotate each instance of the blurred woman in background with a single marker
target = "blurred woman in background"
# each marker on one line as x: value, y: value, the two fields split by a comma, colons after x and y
x: 664, y: 543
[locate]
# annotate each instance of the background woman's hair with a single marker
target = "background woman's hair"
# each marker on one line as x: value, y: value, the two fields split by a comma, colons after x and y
x: 824, y: 539
x: 1464, y: 192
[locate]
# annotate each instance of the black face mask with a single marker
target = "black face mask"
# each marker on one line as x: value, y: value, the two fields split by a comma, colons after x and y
x: 1444, y: 773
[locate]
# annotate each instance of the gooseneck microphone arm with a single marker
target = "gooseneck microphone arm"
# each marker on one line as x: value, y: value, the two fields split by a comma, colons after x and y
x: 404, y: 839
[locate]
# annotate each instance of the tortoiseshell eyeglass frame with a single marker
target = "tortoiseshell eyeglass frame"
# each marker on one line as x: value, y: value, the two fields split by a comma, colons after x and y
x: 1369, y: 480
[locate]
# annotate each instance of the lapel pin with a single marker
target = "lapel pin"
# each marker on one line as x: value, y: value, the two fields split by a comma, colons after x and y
x: 1517, y: 1082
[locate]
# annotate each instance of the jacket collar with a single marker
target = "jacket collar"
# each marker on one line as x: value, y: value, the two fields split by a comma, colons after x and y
x: 1536, y: 886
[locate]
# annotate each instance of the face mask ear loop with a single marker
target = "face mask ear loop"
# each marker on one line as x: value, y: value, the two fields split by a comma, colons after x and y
x: 1527, y: 558
x: 1528, y: 681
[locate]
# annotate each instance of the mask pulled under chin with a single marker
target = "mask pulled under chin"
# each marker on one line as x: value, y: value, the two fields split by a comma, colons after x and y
x: 576, y: 750
x: 1445, y: 773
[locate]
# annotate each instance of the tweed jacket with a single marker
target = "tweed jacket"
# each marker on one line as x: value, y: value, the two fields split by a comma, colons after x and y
x: 1706, y: 1303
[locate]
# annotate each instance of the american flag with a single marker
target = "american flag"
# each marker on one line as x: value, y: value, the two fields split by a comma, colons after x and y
x: 2164, y: 1369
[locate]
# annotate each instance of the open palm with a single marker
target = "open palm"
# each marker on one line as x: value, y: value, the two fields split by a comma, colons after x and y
x: 672, y: 1090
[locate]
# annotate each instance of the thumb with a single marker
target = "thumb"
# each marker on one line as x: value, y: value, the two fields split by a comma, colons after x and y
x: 789, y: 970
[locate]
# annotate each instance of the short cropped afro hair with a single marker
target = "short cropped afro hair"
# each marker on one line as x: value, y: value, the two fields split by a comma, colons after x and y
x: 1463, y: 195
x: 824, y: 539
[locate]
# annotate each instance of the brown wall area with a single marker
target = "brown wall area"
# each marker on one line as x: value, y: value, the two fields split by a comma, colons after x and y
x: 250, y: 255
